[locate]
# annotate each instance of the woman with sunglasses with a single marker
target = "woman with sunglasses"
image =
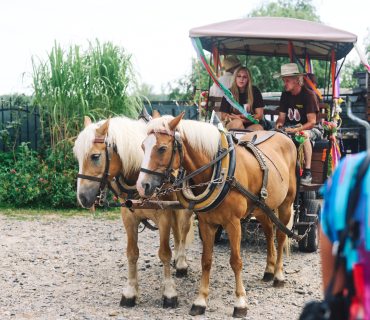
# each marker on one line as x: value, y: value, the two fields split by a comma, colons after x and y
x: 248, y: 96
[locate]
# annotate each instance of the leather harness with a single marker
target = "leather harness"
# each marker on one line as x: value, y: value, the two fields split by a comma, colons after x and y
x: 258, y: 201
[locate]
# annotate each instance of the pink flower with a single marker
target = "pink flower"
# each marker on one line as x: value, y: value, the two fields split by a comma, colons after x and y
x: 41, y: 179
x: 39, y: 156
x: 16, y: 189
x: 13, y: 170
x: 26, y: 163
x: 62, y: 146
x: 24, y: 187
x: 58, y: 161
x: 46, y: 167
x: 47, y: 149
x: 65, y: 157
x: 114, y: 198
x: 28, y: 152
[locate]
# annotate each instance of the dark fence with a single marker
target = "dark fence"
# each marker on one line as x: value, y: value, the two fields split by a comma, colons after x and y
x: 30, y: 123
x: 173, y: 108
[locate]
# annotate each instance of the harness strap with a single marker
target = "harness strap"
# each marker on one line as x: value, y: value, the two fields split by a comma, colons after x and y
x: 178, y: 182
x: 153, y: 172
x: 265, y: 208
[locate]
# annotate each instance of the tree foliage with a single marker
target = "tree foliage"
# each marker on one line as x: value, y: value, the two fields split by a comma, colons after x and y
x: 263, y: 68
x: 355, y: 65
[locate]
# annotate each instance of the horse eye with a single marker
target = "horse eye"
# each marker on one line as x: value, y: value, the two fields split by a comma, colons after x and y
x: 162, y: 149
x: 95, y: 157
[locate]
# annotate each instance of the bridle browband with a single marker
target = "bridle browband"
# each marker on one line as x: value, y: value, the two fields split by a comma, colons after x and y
x: 177, y: 146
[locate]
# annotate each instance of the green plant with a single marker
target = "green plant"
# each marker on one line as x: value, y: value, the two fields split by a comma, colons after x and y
x: 73, y: 83
x: 39, y: 181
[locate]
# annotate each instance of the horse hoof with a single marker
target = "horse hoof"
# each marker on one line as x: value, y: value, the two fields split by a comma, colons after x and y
x: 279, y: 283
x: 129, y: 303
x: 181, y: 273
x: 170, y: 303
x: 267, y: 277
x: 240, y: 312
x: 197, y: 310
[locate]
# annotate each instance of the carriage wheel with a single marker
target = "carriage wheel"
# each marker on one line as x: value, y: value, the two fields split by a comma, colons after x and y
x: 311, y: 242
x: 309, y: 195
x: 217, y: 235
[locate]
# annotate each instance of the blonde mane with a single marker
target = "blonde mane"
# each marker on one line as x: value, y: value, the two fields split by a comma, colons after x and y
x: 125, y: 133
x: 202, y: 136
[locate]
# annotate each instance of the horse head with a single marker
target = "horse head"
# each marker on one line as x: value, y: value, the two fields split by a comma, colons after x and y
x: 158, y: 153
x: 97, y: 162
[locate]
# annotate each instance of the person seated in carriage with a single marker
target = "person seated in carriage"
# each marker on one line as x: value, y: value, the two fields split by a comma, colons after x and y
x: 230, y: 65
x: 299, y: 111
x: 246, y: 95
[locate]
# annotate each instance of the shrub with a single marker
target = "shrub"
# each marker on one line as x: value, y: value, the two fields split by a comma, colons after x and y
x: 47, y: 180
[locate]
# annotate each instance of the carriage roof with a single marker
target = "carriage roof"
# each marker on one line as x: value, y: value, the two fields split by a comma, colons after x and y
x: 269, y: 36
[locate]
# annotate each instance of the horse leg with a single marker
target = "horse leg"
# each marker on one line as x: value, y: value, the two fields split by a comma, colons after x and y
x: 267, y: 228
x: 184, y: 226
x: 176, y: 232
x: 208, y: 236
x: 234, y: 231
x: 285, y: 212
x: 131, y: 292
x: 165, y: 254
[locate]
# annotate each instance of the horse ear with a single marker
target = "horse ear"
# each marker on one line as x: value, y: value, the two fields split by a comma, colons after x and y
x: 104, y: 128
x: 156, y: 114
x: 87, y: 121
x: 175, y: 122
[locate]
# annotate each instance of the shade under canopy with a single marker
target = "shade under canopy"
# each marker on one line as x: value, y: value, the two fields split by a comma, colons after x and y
x: 269, y: 36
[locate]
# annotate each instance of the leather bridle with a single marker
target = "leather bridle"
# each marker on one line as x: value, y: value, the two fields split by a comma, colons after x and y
x: 167, y: 176
x: 104, y: 182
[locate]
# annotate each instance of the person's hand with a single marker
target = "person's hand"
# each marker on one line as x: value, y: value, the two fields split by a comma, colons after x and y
x: 278, y: 126
x: 291, y: 130
x: 234, y: 116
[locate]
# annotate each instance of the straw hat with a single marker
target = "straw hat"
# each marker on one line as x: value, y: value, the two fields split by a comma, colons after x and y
x: 231, y: 62
x: 288, y: 70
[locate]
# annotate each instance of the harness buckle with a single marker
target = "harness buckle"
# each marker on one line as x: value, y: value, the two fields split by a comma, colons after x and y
x: 264, y: 193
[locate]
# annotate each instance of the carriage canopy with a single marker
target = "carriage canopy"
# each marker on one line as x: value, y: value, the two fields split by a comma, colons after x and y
x: 269, y: 36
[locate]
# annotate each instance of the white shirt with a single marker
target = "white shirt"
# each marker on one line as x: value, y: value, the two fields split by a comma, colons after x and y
x: 226, y: 80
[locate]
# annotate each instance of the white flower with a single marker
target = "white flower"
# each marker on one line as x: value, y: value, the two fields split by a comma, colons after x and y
x: 203, y: 103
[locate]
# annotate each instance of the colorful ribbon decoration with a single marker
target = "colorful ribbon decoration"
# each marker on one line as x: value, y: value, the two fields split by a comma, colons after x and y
x: 362, y: 56
x: 226, y: 92
x: 215, y: 58
x: 308, y: 63
x: 334, y: 73
x: 335, y: 154
x: 294, y: 58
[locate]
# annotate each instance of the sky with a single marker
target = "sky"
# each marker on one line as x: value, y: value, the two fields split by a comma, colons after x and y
x: 156, y: 33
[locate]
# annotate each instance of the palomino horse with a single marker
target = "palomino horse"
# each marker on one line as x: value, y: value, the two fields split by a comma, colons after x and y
x: 200, y: 145
x: 123, y: 137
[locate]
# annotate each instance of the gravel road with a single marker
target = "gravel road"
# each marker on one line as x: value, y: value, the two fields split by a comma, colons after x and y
x: 75, y: 268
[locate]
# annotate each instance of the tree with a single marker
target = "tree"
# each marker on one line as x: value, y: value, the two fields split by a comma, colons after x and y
x: 263, y: 68
x: 182, y: 88
x: 146, y: 92
x: 355, y: 65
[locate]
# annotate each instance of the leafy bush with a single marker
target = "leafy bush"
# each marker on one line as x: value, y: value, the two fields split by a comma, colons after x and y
x: 38, y: 180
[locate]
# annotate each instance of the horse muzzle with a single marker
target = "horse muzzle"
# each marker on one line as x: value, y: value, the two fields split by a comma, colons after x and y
x: 87, y: 195
x: 149, y: 186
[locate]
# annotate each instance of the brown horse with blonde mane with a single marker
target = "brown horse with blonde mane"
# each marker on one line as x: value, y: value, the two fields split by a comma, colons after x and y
x: 200, y: 143
x: 121, y: 138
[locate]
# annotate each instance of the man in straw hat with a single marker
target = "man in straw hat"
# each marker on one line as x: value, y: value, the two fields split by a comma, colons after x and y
x: 299, y: 111
x: 230, y: 65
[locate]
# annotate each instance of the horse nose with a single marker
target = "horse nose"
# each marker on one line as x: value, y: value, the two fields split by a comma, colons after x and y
x: 83, y: 200
x: 147, y: 187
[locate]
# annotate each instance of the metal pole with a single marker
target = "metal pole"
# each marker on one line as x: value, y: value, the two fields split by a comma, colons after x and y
x: 358, y: 120
x: 166, y: 205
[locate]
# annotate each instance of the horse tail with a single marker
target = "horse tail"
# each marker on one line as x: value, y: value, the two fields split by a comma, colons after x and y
x: 288, y: 241
x: 190, y: 236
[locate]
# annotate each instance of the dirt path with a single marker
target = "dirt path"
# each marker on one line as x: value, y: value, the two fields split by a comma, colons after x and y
x: 76, y: 269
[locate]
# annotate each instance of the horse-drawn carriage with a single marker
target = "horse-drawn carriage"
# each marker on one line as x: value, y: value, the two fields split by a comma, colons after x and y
x: 297, y: 39
x: 110, y: 155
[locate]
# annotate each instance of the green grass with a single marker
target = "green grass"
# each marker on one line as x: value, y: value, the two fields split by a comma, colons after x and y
x: 51, y: 214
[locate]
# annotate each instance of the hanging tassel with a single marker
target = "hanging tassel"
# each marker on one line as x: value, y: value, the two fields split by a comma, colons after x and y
x: 301, y: 156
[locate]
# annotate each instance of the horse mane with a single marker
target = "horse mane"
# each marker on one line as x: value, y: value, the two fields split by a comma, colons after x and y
x: 202, y: 136
x: 123, y: 132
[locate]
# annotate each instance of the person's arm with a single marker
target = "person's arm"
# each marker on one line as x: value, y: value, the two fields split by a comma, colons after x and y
x: 280, y: 121
x: 257, y: 115
x: 311, y: 117
x: 327, y: 265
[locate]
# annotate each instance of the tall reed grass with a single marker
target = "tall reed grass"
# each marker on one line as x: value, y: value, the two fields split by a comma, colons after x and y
x: 72, y: 83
